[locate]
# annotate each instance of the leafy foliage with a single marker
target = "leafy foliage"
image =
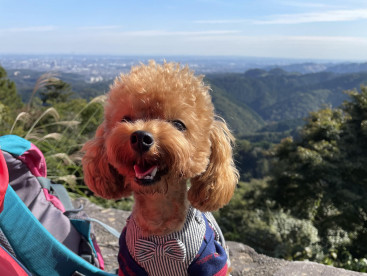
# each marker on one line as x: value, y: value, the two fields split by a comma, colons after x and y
x: 251, y: 159
x: 55, y: 92
x: 10, y: 101
x: 250, y: 218
x: 322, y: 177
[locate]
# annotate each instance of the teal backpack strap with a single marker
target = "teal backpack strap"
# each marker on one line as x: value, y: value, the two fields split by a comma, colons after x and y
x: 108, y: 228
x: 58, y: 190
x: 32, y: 242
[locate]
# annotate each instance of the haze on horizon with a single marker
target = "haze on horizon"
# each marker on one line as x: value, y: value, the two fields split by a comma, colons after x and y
x: 334, y: 30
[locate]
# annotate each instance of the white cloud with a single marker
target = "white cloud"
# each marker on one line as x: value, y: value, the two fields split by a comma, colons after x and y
x: 212, y: 42
x: 267, y: 40
x: 29, y: 29
x: 331, y: 39
x: 305, y: 5
x: 316, y: 47
x: 178, y: 33
x: 112, y: 27
x: 299, y: 18
x: 315, y: 17
x: 222, y: 21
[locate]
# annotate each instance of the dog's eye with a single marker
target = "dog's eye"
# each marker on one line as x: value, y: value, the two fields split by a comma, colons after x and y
x: 126, y: 119
x: 179, y: 125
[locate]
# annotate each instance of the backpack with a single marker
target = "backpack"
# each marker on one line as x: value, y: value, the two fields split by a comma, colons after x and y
x: 41, y: 233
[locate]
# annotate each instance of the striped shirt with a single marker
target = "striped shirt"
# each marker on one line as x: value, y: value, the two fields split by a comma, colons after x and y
x: 193, y: 250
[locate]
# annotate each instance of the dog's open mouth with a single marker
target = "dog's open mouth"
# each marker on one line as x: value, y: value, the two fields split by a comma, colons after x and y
x: 146, y: 174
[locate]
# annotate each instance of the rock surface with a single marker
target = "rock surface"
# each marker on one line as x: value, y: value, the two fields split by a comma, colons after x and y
x: 244, y: 259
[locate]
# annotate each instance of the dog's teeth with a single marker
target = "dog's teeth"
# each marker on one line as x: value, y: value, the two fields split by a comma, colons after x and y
x: 149, y: 174
x: 154, y: 172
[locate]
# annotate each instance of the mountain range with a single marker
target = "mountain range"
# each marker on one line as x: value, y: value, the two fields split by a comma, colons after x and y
x: 258, y: 100
x: 311, y: 67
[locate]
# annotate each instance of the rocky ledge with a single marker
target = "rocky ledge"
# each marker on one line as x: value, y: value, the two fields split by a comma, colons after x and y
x: 244, y: 259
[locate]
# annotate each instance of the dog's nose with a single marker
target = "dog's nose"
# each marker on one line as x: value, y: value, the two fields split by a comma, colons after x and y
x: 141, y: 141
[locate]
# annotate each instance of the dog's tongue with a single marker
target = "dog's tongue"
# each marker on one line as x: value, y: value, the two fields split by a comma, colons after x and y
x: 144, y: 173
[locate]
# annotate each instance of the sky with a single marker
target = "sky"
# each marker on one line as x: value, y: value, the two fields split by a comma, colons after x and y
x: 330, y: 30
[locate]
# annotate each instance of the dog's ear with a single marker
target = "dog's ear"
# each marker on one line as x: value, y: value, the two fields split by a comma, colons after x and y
x: 101, y: 177
x: 214, y: 188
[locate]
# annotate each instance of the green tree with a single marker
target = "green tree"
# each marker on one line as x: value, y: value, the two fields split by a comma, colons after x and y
x: 322, y: 177
x: 8, y: 92
x: 10, y: 102
x: 306, y: 169
x: 252, y: 219
x: 55, y: 91
x: 251, y: 159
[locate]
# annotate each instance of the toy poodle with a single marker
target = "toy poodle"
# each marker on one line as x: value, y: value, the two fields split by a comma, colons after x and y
x: 161, y: 141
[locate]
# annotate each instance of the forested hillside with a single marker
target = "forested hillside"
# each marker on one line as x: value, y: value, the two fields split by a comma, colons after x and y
x: 312, y: 203
x: 250, y: 102
x: 278, y: 96
x: 302, y: 197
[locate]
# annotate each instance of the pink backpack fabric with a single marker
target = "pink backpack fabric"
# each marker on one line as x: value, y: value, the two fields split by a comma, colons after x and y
x: 4, y: 180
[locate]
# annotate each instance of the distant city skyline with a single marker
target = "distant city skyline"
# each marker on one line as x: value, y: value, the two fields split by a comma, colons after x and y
x: 330, y: 30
